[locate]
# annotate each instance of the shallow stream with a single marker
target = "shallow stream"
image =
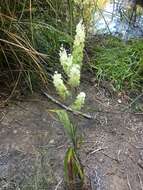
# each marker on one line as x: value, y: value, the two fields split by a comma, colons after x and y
x: 115, y: 18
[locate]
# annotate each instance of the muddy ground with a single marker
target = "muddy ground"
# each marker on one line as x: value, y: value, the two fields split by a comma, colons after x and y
x: 33, y: 143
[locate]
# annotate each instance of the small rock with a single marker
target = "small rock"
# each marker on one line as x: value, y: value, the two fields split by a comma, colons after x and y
x: 44, y: 119
x: 15, y: 131
x: 51, y: 141
x: 119, y: 101
x: 27, y: 132
x: 101, y: 160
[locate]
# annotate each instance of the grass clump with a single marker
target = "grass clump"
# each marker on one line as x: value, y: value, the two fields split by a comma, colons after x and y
x: 31, y: 33
x: 20, y: 61
x: 118, y: 62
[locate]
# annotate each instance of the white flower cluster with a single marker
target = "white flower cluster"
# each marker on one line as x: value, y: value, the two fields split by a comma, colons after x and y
x: 80, y: 34
x: 59, y: 85
x: 79, y: 102
x: 72, y: 66
x: 65, y: 60
x: 78, y: 44
x: 74, y: 75
x: 72, y: 70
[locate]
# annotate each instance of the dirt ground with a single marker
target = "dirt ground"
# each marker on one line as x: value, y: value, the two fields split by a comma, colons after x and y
x: 33, y: 143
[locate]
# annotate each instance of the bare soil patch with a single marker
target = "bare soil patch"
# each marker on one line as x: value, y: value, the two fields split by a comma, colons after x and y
x: 33, y: 144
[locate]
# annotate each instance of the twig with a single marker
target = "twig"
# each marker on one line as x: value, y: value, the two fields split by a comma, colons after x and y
x: 128, y: 182
x: 97, y: 111
x: 87, y: 116
x: 57, y: 186
x: 96, y: 150
x: 119, y: 155
x: 141, y: 183
x: 3, y: 116
x: 139, y: 164
x: 114, y: 159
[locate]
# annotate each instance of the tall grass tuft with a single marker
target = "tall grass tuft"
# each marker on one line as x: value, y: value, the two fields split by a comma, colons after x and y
x: 31, y: 32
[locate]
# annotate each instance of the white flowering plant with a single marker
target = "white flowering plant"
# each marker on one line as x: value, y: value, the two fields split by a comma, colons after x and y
x: 79, y: 44
x: 74, y: 75
x: 65, y: 60
x: 60, y: 86
x: 79, y: 102
x: 71, y: 64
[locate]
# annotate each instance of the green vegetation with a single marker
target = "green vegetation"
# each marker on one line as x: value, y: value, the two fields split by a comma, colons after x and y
x: 118, y: 62
x: 73, y: 169
x: 31, y: 33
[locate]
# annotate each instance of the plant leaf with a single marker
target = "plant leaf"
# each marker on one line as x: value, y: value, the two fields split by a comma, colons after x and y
x: 72, y: 167
x: 69, y: 128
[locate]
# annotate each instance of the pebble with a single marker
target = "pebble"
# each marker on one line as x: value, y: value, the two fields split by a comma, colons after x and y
x: 51, y: 141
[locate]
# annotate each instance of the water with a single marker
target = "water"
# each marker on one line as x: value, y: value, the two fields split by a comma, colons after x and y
x: 113, y: 19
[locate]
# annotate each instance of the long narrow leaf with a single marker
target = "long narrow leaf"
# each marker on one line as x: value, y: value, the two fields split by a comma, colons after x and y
x: 69, y: 128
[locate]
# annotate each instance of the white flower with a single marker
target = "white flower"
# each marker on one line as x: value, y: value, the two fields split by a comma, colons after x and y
x: 59, y: 85
x: 80, y: 34
x: 65, y: 60
x: 63, y: 55
x: 79, y: 102
x: 79, y: 44
x: 74, y: 75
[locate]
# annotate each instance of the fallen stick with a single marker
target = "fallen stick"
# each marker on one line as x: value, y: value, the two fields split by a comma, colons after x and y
x: 87, y: 116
